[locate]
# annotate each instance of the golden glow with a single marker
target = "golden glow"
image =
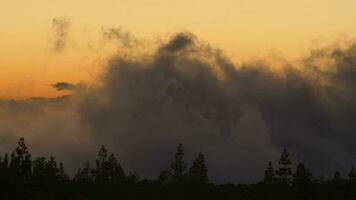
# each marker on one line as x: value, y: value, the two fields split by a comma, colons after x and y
x: 28, y: 66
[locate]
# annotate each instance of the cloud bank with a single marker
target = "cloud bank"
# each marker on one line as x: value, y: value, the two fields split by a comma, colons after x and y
x: 186, y: 91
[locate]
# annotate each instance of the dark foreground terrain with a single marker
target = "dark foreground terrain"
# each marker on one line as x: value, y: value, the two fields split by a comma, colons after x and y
x: 22, y: 177
x: 152, y: 190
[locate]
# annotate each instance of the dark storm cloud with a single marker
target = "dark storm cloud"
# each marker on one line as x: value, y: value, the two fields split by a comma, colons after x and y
x: 240, y: 116
x: 64, y: 86
x: 186, y: 91
x: 120, y: 35
x: 179, y: 42
x: 60, y: 27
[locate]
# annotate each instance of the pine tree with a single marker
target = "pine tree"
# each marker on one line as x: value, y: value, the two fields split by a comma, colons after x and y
x: 133, y: 178
x: 302, y: 176
x: 87, y: 174
x: 20, y: 163
x: 116, y: 173
x: 39, y: 173
x: 178, y: 166
x: 321, y: 179
x: 51, y: 170
x: 198, y: 172
x: 101, y: 165
x: 269, y: 174
x: 108, y: 168
x: 14, y: 169
x: 62, y: 176
x: 352, y: 174
x: 337, y: 177
x: 163, y: 176
x: 5, y: 162
x: 1, y: 171
x: 4, y: 168
x: 26, y: 163
x: 284, y: 172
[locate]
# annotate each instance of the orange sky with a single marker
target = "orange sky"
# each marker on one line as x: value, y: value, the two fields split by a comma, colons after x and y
x: 243, y: 28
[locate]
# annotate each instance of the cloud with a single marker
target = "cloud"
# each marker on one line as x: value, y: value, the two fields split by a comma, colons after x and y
x: 64, y: 86
x: 186, y: 91
x: 60, y: 27
x: 179, y: 42
x: 125, y: 38
x: 50, y: 126
x: 239, y: 115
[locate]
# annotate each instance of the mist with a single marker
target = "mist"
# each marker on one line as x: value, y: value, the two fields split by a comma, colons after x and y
x: 60, y: 28
x: 186, y: 91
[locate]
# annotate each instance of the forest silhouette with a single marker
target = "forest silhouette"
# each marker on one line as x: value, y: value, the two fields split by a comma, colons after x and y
x: 25, y: 177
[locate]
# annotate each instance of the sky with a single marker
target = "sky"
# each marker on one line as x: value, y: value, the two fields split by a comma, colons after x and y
x: 237, y: 79
x: 29, y: 65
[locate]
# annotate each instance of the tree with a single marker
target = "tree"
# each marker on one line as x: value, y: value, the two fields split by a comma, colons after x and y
x: 101, y: 165
x: 132, y: 178
x: 62, y: 176
x: 302, y: 176
x: 352, y: 174
x: 39, y: 173
x: 321, y: 179
x: 116, y: 173
x: 26, y: 166
x: 178, y: 166
x: 163, y: 176
x: 4, y: 169
x: 87, y: 174
x: 269, y: 174
x: 337, y: 177
x: 108, y: 168
x: 198, y: 172
x: 51, y: 170
x: 20, y: 163
x: 5, y: 162
x: 285, y: 171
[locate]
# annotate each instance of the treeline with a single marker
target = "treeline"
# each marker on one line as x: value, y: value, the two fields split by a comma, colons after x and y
x: 22, y: 177
x: 301, y: 177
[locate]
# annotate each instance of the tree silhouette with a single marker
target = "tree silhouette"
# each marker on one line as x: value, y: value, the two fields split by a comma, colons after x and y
x: 269, y: 174
x: 163, y: 176
x: 20, y: 164
x: 320, y: 179
x: 285, y: 171
x: 47, y: 171
x: 101, y: 172
x: 46, y: 179
x: 5, y: 162
x: 116, y: 173
x: 132, y: 178
x: 108, y: 168
x: 4, y: 169
x: 39, y: 169
x: 87, y: 174
x: 337, y: 177
x: 198, y: 172
x: 62, y: 176
x: 302, y: 176
x: 51, y: 170
x: 352, y: 174
x: 178, y: 166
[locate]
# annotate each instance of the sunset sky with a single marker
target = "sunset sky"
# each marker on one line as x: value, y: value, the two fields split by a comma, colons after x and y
x: 242, y: 28
x: 237, y: 79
